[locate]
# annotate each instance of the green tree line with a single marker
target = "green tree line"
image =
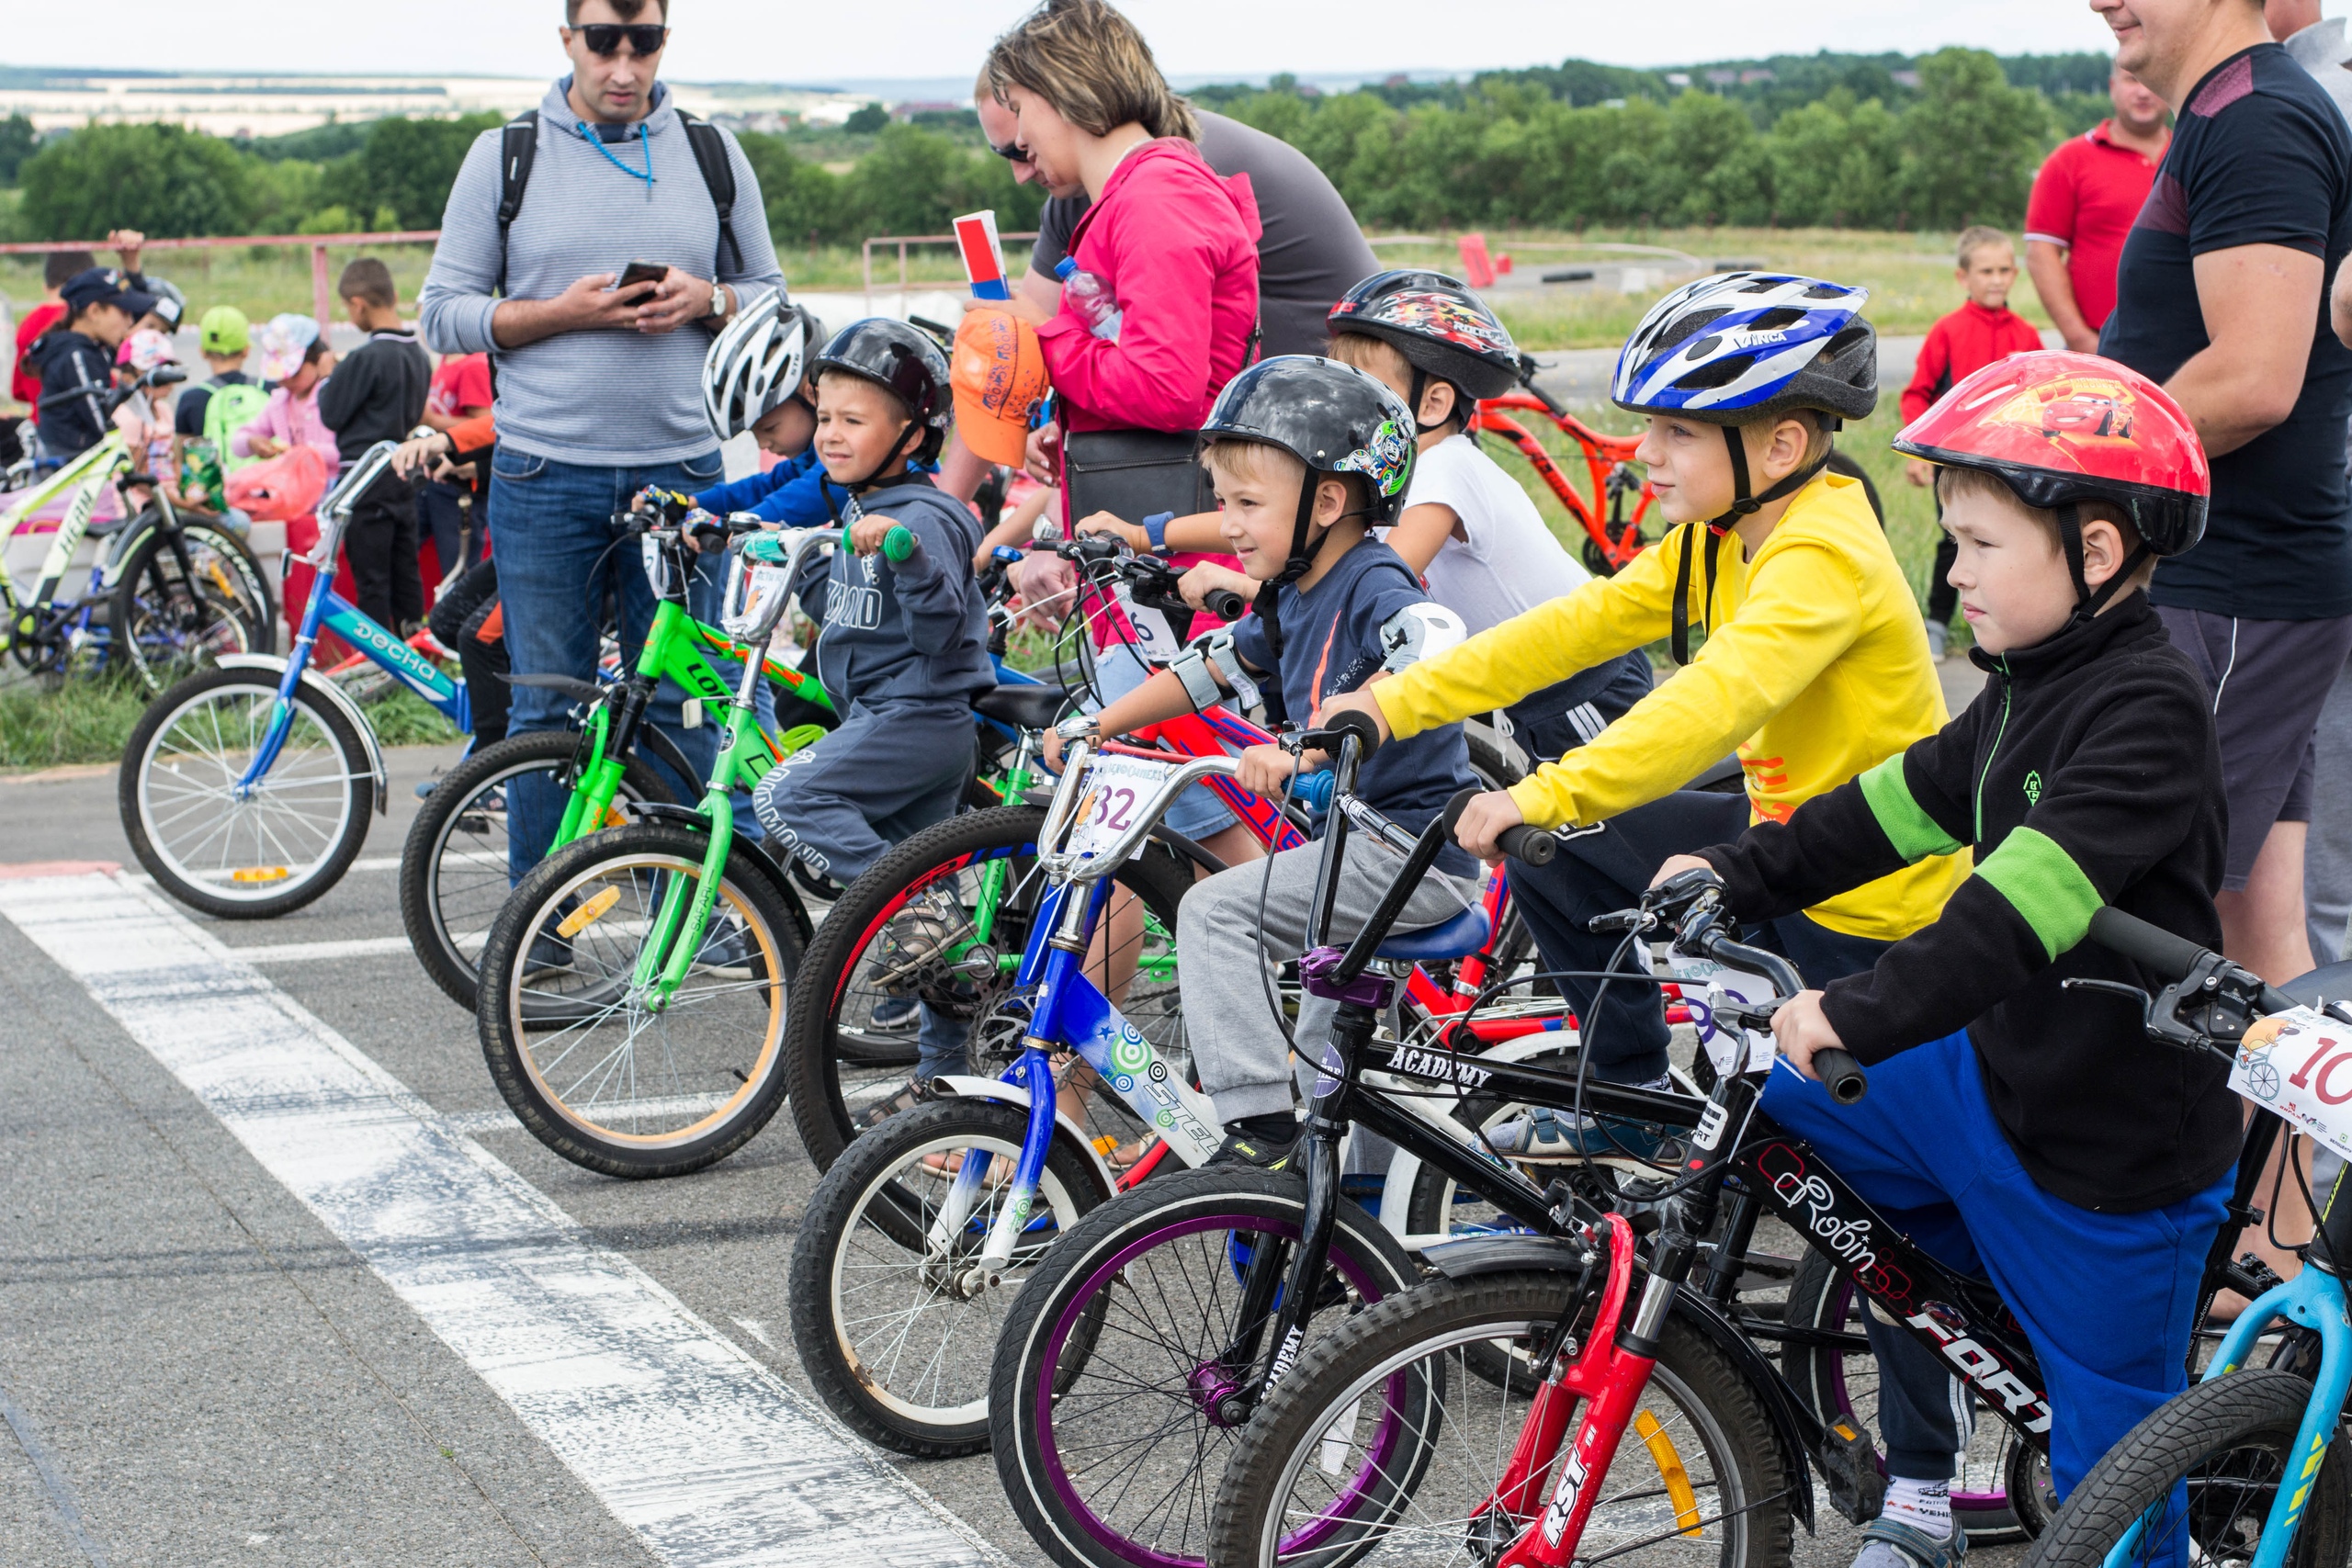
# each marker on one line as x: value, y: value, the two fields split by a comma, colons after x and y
x: 1854, y: 141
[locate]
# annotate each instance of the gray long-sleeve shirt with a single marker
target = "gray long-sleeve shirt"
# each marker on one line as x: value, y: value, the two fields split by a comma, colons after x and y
x: 609, y: 398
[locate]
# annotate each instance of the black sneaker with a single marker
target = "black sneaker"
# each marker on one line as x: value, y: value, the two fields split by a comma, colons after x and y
x: 1250, y: 1149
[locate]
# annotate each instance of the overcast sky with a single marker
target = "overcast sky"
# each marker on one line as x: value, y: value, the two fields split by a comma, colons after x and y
x: 813, y: 41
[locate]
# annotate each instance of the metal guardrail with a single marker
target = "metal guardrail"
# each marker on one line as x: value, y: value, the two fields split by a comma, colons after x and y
x: 902, y: 241
x: 322, y: 291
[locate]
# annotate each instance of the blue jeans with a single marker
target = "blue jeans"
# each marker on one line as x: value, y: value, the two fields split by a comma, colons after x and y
x: 559, y: 556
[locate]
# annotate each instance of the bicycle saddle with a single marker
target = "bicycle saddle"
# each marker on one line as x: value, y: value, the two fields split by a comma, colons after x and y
x: 1457, y: 938
x: 1023, y: 707
x: 2329, y: 982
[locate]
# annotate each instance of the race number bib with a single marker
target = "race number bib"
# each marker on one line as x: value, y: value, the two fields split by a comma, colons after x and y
x: 2298, y: 1065
x: 1155, y: 639
x: 1704, y: 981
x: 1119, y: 793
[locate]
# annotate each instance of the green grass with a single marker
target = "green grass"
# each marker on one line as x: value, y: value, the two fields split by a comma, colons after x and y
x: 91, y: 720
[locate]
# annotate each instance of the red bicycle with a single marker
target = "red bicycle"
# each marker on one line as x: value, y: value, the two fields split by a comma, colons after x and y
x: 1612, y: 535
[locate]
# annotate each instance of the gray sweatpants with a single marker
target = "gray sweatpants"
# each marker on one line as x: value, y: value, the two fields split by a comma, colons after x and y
x: 886, y: 774
x: 1229, y: 958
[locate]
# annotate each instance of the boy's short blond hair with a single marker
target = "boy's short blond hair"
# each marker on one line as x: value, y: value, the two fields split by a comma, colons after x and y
x: 1819, y: 438
x: 1263, y: 462
x: 897, y: 404
x: 1953, y: 482
x: 1977, y: 237
x: 1380, y: 359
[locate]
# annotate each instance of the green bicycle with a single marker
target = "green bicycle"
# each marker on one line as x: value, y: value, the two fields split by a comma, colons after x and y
x: 169, y: 594
x: 457, y: 870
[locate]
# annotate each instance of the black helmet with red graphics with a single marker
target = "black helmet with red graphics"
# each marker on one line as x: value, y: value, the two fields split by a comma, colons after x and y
x: 1438, y: 324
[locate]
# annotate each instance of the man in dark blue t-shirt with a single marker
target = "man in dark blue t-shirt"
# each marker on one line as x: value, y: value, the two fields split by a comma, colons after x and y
x: 2219, y: 298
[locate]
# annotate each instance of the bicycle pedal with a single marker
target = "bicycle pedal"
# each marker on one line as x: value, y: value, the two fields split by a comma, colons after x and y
x: 1848, y: 1463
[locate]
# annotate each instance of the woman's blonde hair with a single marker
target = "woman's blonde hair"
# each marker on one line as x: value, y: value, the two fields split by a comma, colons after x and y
x: 1089, y: 62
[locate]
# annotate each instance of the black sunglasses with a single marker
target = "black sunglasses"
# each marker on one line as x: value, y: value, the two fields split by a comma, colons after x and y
x: 603, y: 38
x: 1012, y: 152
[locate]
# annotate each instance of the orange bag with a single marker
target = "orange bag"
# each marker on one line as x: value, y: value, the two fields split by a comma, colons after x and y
x: 278, y: 489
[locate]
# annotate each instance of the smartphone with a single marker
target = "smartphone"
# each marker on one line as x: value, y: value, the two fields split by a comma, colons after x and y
x: 638, y: 272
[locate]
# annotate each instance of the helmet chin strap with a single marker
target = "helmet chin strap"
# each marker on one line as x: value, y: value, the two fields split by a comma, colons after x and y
x: 2070, y: 537
x: 1745, y: 505
x: 897, y: 458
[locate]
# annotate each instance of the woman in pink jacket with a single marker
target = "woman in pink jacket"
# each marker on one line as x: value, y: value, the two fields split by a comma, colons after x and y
x: 1159, y: 297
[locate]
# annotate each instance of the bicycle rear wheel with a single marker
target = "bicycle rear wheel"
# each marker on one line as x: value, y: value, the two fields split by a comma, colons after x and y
x: 454, y: 876
x: 1385, y: 1444
x: 591, y: 1062
x: 166, y: 623
x: 273, y: 849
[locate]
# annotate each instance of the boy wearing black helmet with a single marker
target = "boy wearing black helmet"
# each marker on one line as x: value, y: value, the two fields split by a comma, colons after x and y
x: 1307, y: 455
x: 1468, y: 527
x: 903, y: 649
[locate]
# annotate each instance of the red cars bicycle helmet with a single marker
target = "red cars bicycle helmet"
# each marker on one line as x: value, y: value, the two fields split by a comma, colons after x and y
x: 1438, y: 325
x: 2060, y: 428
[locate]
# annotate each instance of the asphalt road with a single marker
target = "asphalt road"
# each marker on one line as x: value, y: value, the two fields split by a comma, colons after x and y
x: 281, y: 1282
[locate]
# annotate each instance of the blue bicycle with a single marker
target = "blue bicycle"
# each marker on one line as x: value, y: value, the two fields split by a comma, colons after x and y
x: 2239, y: 1470
x: 245, y: 790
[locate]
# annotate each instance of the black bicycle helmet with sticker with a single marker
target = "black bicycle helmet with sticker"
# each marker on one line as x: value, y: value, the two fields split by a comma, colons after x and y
x: 903, y: 360
x: 1438, y: 324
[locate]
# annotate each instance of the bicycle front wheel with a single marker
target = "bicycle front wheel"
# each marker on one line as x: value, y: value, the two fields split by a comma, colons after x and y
x: 2208, y: 1463
x: 1112, y: 1404
x: 454, y: 876
x: 592, y: 1060
x: 260, y: 850
x: 894, y: 1321
x: 1385, y: 1444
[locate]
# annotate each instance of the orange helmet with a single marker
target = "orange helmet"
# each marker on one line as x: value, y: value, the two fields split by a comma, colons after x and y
x: 2060, y: 428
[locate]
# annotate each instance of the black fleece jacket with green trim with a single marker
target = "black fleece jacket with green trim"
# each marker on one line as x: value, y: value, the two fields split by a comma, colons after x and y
x: 2085, y: 773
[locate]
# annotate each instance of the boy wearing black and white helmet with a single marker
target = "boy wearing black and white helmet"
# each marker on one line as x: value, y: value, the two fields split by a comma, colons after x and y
x: 1309, y: 457
x: 756, y: 379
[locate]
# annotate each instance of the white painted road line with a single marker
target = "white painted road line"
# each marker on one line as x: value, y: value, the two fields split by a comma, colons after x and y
x: 705, y: 1454
x: 364, y: 863
x: 318, y: 952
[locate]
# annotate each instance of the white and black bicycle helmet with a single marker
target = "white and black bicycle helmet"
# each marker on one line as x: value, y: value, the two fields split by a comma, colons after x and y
x: 1744, y: 346
x: 756, y: 363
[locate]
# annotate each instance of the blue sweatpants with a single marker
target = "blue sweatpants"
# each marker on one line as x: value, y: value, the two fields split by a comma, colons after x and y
x: 2105, y: 1298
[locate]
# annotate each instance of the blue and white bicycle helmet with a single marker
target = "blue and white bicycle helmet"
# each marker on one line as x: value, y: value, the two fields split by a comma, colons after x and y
x: 1744, y: 346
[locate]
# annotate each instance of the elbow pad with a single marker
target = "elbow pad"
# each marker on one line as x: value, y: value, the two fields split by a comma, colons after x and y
x: 1417, y: 632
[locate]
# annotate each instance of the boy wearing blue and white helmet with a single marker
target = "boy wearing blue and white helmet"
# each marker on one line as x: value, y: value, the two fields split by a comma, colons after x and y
x: 1803, y: 645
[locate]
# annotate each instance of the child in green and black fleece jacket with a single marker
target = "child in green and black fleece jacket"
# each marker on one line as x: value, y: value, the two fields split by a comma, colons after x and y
x: 2014, y: 1128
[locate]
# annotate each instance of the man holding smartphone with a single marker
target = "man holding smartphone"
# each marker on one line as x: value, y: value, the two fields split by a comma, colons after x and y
x: 592, y: 248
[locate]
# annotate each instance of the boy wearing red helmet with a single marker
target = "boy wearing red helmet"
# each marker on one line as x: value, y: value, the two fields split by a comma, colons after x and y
x: 2035, y: 1136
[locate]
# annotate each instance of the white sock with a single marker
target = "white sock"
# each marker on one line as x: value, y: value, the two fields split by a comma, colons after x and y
x: 1924, y: 1506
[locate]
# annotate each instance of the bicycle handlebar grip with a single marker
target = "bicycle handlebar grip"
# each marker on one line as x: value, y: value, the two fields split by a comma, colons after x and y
x: 1225, y: 605
x: 899, y: 542
x: 1532, y: 845
x: 1348, y: 721
x: 2170, y: 956
x: 1313, y: 790
x: 1840, y: 1075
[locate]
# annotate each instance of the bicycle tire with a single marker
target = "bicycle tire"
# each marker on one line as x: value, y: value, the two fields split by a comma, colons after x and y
x: 424, y: 856
x: 817, y: 1046
x: 145, y: 813
x: 690, y: 1077
x: 1841, y: 1384
x: 2232, y: 1421
x: 869, y: 1206
x: 1039, y: 1379
x: 150, y: 588
x: 1393, y: 1346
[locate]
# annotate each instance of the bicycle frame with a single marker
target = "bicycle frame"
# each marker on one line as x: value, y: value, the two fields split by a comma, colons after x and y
x: 91, y: 471
x: 1616, y: 539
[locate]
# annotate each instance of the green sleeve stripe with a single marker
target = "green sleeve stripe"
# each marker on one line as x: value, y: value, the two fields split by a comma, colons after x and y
x: 2042, y: 883
x: 1911, y: 830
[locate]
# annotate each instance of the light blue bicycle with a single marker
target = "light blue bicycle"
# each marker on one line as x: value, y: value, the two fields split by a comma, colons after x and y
x: 2240, y: 1471
x: 245, y: 790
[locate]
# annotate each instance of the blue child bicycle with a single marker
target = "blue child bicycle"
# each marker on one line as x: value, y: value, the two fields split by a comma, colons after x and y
x: 246, y: 789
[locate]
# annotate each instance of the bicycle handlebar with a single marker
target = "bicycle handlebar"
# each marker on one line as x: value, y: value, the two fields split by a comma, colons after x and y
x: 2174, y: 957
x: 1520, y: 841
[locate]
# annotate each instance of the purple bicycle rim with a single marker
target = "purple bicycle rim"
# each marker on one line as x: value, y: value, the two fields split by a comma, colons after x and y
x: 1050, y: 1457
x: 1961, y: 1502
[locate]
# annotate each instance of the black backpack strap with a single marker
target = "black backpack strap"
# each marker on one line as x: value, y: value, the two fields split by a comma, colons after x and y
x: 718, y: 172
x: 1681, y: 639
x: 518, y: 146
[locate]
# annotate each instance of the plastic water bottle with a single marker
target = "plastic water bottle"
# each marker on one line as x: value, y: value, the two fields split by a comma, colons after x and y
x: 1089, y: 297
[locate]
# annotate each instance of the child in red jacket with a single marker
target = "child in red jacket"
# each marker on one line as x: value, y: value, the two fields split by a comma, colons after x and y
x: 1971, y: 337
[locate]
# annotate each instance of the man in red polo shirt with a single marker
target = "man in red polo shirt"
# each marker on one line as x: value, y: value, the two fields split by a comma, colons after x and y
x: 2089, y: 191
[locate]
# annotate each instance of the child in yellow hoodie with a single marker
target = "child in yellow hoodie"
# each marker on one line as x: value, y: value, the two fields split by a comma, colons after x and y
x: 1801, y: 647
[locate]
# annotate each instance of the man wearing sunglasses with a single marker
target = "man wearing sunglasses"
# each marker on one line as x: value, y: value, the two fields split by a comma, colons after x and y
x: 598, y: 383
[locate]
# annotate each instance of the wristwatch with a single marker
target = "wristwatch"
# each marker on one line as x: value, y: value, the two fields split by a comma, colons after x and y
x: 718, y: 300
